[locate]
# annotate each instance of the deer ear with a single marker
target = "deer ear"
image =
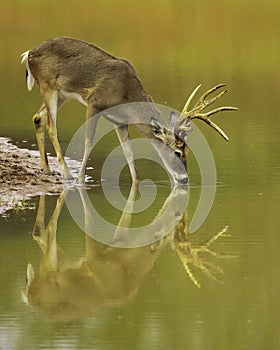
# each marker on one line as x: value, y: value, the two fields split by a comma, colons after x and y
x: 157, y: 128
x: 173, y: 119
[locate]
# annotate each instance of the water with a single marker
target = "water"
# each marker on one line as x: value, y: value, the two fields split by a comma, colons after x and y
x: 146, y: 298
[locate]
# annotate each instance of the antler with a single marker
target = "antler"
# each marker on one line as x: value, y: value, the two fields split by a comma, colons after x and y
x: 201, y: 104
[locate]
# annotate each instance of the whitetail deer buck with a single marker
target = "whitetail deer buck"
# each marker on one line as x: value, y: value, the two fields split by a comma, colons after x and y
x: 66, y: 68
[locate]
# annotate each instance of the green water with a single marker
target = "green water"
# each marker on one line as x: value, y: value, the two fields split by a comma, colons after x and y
x: 174, y: 45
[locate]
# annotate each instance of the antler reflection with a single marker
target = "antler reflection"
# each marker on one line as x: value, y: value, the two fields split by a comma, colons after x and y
x: 190, y: 254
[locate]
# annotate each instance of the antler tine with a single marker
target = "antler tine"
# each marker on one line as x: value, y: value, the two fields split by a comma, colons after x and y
x: 205, y: 118
x: 220, y: 109
x: 202, y: 103
x: 214, y: 126
x: 208, y: 92
x: 185, y: 109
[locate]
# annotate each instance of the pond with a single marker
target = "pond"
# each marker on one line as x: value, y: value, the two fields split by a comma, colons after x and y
x: 212, y: 287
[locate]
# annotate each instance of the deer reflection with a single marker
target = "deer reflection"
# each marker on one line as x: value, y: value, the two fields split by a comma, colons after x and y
x: 68, y: 289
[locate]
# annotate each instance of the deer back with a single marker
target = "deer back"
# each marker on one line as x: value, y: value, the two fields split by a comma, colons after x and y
x: 76, y: 66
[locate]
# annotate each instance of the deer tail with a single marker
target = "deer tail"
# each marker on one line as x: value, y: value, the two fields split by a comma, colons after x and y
x: 29, y: 76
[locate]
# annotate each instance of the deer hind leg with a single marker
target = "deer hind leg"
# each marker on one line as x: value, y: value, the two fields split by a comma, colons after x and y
x: 39, y: 121
x: 39, y: 229
x: 52, y: 102
x: 91, y: 122
x: 122, y: 132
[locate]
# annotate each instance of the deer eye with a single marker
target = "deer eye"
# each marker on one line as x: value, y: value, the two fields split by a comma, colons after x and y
x: 181, y: 134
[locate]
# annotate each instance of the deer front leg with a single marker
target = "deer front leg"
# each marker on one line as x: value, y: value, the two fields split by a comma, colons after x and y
x: 91, y: 122
x: 122, y: 132
x: 121, y: 235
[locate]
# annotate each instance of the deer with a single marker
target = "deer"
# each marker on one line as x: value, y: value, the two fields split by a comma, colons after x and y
x: 66, y: 68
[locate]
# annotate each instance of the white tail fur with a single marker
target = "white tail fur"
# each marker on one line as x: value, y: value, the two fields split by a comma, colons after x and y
x: 29, y: 76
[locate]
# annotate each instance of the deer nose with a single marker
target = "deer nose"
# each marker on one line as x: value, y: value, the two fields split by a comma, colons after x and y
x: 183, y: 181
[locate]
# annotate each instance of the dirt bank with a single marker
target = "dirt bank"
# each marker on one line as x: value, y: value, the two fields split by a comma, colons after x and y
x: 21, y: 176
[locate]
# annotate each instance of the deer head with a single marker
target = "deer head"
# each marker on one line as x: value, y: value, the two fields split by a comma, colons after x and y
x: 175, y: 136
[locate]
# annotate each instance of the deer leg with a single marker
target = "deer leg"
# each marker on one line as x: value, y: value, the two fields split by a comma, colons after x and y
x: 51, y: 251
x: 122, y: 132
x: 39, y: 121
x: 52, y: 225
x: 51, y: 102
x: 91, y: 122
x: 39, y: 230
x: 121, y: 236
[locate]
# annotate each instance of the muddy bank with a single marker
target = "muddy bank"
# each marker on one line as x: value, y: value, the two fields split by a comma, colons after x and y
x: 21, y: 176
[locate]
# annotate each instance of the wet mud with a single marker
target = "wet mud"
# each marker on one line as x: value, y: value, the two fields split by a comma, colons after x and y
x: 21, y: 176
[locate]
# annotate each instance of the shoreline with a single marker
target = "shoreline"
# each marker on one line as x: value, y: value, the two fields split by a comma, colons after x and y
x: 21, y: 176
